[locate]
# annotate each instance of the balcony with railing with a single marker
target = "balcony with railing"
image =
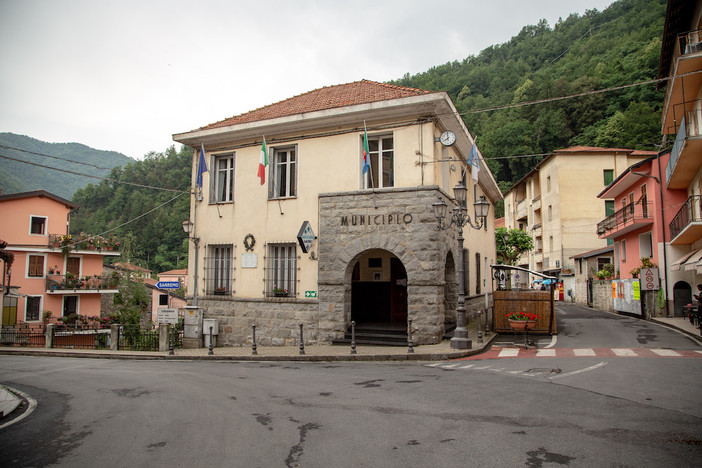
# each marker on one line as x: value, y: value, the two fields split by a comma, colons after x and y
x: 84, y: 243
x: 685, y: 161
x: 73, y: 284
x: 684, y: 81
x: 686, y: 226
x: 631, y: 217
x: 522, y: 211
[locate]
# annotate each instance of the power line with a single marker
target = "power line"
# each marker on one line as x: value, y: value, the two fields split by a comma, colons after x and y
x: 3, y: 156
x: 55, y: 157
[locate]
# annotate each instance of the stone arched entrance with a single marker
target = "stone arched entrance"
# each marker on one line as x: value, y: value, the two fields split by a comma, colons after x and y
x: 378, y: 289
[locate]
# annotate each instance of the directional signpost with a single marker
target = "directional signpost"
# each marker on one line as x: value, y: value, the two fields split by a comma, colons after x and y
x: 168, y: 284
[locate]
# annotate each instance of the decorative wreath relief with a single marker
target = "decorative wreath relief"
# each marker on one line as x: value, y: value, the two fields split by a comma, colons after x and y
x: 249, y: 242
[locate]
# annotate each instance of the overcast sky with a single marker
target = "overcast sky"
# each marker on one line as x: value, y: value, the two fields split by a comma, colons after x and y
x: 125, y: 75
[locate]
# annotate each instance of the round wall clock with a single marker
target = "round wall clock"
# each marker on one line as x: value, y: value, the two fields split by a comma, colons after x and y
x: 447, y: 138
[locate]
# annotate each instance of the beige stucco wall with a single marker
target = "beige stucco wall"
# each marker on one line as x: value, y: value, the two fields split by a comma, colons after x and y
x: 324, y: 165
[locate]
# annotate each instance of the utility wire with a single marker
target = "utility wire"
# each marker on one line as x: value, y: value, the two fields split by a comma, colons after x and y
x: 133, y: 219
x: 55, y: 157
x: 3, y: 156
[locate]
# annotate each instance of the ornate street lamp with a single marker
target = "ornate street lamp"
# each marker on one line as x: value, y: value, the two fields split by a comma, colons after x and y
x: 189, y: 229
x: 460, y: 218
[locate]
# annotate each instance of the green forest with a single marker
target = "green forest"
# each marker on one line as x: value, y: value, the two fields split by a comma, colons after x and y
x: 151, y: 239
x: 582, y: 53
x: 598, y: 50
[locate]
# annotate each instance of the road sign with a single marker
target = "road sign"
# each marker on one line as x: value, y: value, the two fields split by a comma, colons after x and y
x: 168, y: 284
x: 168, y: 316
x: 311, y: 294
x: 649, y: 279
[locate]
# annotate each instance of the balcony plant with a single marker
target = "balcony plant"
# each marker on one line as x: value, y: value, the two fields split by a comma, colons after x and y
x: 279, y: 292
x: 221, y: 291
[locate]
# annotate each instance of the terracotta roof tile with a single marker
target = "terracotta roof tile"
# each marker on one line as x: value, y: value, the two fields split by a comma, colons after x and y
x: 329, y: 97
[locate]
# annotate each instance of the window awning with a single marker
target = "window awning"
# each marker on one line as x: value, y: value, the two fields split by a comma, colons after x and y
x: 691, y: 263
x: 677, y: 264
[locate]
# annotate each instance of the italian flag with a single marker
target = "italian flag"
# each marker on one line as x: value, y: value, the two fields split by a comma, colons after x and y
x: 263, y: 162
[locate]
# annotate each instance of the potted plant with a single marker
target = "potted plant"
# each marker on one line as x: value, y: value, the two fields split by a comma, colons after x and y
x: 279, y: 292
x: 221, y: 291
x: 522, y: 320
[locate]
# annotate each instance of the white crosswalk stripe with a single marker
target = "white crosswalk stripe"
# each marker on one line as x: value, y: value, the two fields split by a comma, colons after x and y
x: 624, y: 352
x: 509, y: 352
x: 584, y: 352
x: 665, y: 352
x: 546, y: 352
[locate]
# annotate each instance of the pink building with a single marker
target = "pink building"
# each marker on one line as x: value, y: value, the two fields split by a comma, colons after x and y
x: 56, y: 275
x: 640, y: 209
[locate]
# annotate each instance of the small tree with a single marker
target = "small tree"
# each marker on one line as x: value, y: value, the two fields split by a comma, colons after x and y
x: 511, y: 244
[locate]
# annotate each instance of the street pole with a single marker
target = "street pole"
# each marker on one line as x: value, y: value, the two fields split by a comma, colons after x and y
x: 460, y: 335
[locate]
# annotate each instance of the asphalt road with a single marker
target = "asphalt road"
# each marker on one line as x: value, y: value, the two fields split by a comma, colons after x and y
x: 532, y: 411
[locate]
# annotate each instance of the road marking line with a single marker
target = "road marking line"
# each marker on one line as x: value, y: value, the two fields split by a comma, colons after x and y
x: 467, y: 367
x: 509, y: 352
x: 624, y: 352
x: 545, y: 353
x: 435, y: 364
x: 584, y: 352
x: 449, y: 366
x: 665, y: 352
x: 596, y: 366
x: 554, y: 338
x: 515, y: 372
x: 699, y: 352
x: 483, y: 367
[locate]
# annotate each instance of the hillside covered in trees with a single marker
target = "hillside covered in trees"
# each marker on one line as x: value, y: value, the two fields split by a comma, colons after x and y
x: 581, y: 54
x: 598, y: 50
x: 16, y: 176
x: 147, y: 221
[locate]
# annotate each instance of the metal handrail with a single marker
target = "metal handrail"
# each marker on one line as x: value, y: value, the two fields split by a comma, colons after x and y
x: 691, y: 211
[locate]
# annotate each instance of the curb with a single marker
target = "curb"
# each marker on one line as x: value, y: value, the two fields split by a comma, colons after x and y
x: 439, y: 356
x: 681, y: 330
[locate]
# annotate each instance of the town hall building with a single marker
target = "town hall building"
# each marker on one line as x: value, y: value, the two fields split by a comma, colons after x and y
x: 319, y: 210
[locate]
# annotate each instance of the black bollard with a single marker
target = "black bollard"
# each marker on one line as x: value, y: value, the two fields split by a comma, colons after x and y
x: 410, y: 345
x: 210, y: 352
x: 487, y: 322
x: 480, y: 327
x: 253, y: 340
x: 171, y: 336
x: 353, y: 337
x: 302, y: 341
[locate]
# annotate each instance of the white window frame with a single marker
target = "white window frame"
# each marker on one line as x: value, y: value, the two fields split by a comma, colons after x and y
x: 45, y: 225
x: 39, y: 313
x: 63, y: 304
x: 646, y: 239
x: 287, y: 170
x: 281, y: 271
x: 226, y: 176
x: 378, y: 168
x: 26, y: 271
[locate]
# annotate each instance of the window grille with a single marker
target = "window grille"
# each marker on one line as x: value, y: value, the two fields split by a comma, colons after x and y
x: 281, y: 271
x: 218, y: 270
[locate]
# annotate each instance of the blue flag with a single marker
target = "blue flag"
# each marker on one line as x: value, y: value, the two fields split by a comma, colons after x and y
x: 201, y: 167
x: 474, y: 162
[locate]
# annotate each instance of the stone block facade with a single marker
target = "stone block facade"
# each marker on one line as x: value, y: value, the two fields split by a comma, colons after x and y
x: 399, y: 221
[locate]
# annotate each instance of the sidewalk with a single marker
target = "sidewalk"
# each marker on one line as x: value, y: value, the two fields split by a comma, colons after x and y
x: 680, y: 323
x: 437, y: 352
x: 8, y: 402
